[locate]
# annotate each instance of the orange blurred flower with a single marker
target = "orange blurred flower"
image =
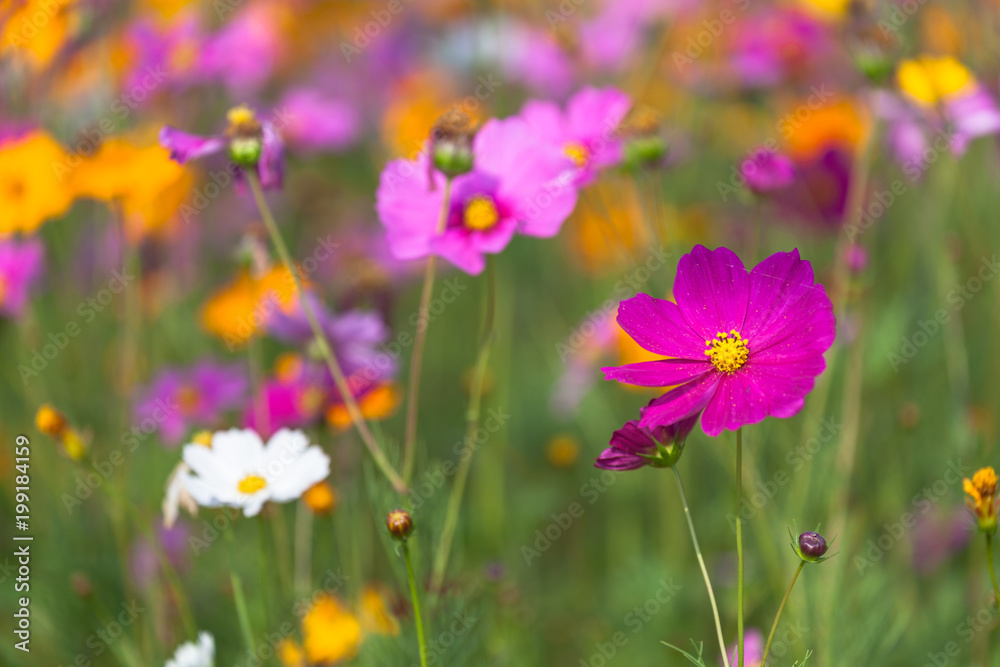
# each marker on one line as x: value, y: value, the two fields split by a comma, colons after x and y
x: 238, y: 310
x: 31, y: 188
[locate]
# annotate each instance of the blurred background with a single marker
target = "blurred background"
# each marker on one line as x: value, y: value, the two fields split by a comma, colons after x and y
x: 132, y: 300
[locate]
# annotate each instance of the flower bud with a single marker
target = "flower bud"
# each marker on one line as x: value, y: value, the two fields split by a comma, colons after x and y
x: 812, y: 545
x: 246, y: 141
x: 451, y: 143
x: 644, y: 142
x: 400, y: 524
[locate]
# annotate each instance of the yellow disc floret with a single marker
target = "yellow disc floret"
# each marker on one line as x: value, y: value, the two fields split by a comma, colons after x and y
x: 728, y: 352
x: 981, y: 491
x: 578, y: 153
x: 251, y: 484
x: 480, y: 213
x: 241, y: 117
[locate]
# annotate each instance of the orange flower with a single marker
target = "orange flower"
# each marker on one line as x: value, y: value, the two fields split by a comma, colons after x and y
x: 331, y: 632
x: 562, y: 451
x: 374, y: 614
x: 981, y: 491
x: 238, y: 310
x: 31, y: 189
x: 381, y: 402
x: 148, y: 185
x: 320, y: 498
x: 37, y: 29
x: 809, y: 134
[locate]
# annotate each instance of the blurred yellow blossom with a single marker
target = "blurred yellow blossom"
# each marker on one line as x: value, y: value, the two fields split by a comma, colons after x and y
x: 331, y: 632
x: 31, y: 190
x: 374, y: 614
x: 929, y: 80
x: 236, y: 311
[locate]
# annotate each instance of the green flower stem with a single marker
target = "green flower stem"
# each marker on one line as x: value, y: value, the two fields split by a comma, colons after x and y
x: 417, y: 618
x: 420, y: 338
x: 472, y: 424
x: 989, y: 562
x: 324, y: 346
x: 774, y: 626
x: 739, y: 545
x: 701, y: 564
x: 240, y: 600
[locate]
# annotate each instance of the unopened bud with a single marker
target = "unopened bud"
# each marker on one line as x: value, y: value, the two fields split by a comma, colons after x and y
x: 451, y: 143
x: 400, y: 524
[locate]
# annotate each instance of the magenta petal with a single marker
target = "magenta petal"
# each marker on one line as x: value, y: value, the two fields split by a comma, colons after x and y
x: 682, y: 402
x: 408, y: 205
x: 658, y: 326
x: 786, y: 384
x: 712, y: 289
x: 663, y: 373
x: 184, y: 146
x: 738, y: 401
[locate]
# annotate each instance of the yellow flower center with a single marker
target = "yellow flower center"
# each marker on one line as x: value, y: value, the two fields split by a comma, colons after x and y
x: 728, y: 351
x: 577, y: 152
x: 251, y: 484
x: 480, y: 213
x: 241, y: 115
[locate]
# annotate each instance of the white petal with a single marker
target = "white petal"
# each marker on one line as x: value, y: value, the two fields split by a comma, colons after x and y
x: 312, y: 467
x: 238, y: 447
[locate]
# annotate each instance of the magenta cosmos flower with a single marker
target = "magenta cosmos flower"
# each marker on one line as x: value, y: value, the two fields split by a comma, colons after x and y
x: 765, y: 171
x: 634, y: 446
x: 587, y: 132
x: 518, y: 184
x: 248, y: 140
x: 179, y: 400
x: 21, y: 265
x: 753, y: 644
x: 741, y: 346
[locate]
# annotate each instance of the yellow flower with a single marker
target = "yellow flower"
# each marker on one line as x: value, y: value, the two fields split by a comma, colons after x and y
x: 238, y: 310
x: 562, y: 451
x: 374, y: 614
x: 381, y: 402
x: 929, y: 80
x: 291, y: 654
x: 31, y: 188
x: 981, y: 491
x: 142, y: 179
x: 331, y: 632
x: 36, y: 29
x: 54, y: 424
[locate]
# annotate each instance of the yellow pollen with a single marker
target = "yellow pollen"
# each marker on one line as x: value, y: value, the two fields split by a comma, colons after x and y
x: 577, y: 152
x: 728, y: 351
x: 480, y: 213
x: 251, y: 484
x: 241, y: 116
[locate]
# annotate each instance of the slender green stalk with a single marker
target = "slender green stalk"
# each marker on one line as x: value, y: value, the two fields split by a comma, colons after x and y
x: 781, y: 607
x: 472, y: 424
x: 739, y: 544
x: 303, y: 549
x: 324, y: 346
x: 701, y: 564
x: 238, y: 598
x: 989, y: 562
x: 416, y: 361
x: 417, y: 618
x: 266, y: 574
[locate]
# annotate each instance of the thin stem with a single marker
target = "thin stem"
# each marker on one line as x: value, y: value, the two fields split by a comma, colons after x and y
x: 472, y: 424
x: 739, y: 544
x: 989, y: 562
x: 324, y: 346
x: 303, y: 549
x: 238, y: 598
x: 774, y: 626
x: 417, y: 618
x: 701, y: 564
x: 264, y: 570
x: 416, y: 361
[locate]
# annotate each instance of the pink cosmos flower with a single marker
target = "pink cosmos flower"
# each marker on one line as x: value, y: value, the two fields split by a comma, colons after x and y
x: 293, y: 400
x: 179, y: 400
x: 587, y: 132
x: 632, y: 444
x: 753, y: 644
x: 518, y: 184
x: 766, y: 171
x: 21, y: 264
x: 317, y: 122
x: 742, y: 345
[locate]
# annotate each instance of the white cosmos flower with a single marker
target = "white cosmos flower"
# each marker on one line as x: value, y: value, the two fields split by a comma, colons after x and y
x: 240, y: 471
x: 191, y: 654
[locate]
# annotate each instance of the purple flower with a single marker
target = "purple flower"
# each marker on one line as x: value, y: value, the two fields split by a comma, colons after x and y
x: 161, y: 52
x: 765, y: 171
x: 244, y: 53
x: 21, y: 264
x: 518, y: 184
x: 587, y: 132
x: 632, y: 444
x: 819, y: 192
x: 145, y: 565
x: 179, y: 400
x: 318, y: 123
x: 250, y: 142
x: 294, y: 401
x: 753, y: 644
x: 742, y: 346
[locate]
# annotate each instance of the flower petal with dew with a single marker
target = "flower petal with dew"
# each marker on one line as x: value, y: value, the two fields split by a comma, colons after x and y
x: 743, y: 345
x: 239, y: 470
